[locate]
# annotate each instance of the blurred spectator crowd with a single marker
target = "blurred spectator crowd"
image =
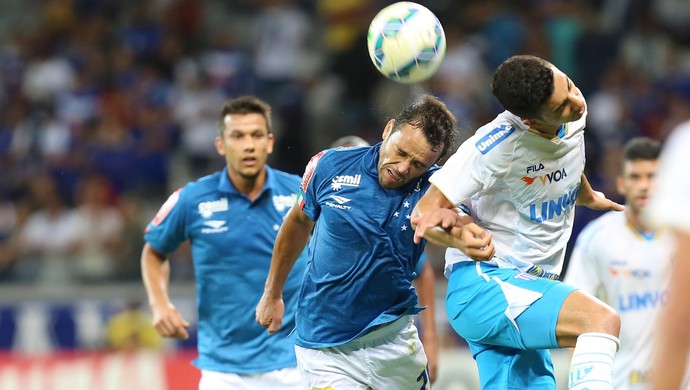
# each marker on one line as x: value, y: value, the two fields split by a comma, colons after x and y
x: 107, y: 106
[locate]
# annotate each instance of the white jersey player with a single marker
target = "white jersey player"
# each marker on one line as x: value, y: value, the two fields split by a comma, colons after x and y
x: 626, y: 263
x: 523, y: 175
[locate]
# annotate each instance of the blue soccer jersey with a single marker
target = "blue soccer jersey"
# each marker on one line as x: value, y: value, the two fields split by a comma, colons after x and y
x: 232, y: 243
x: 362, y: 256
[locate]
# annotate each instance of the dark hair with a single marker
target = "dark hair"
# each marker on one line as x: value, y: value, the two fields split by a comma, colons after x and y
x: 433, y: 117
x: 641, y: 148
x: 246, y: 105
x: 523, y: 84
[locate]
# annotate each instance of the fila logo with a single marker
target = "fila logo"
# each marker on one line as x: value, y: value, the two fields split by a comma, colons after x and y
x: 535, y: 168
x: 214, y: 226
x: 338, y: 182
x: 340, y: 199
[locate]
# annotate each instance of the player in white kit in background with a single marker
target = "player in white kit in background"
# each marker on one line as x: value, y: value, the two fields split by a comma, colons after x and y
x: 626, y: 263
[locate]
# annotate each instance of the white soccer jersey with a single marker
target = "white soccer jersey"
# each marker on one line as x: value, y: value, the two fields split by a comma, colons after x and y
x: 522, y: 187
x: 629, y: 271
x: 670, y: 206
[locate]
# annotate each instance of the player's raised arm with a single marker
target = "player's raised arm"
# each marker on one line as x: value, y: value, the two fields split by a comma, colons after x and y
x: 436, y: 219
x: 290, y: 242
x: 595, y: 200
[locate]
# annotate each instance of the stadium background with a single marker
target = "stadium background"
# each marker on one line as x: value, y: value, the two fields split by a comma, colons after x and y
x: 107, y: 106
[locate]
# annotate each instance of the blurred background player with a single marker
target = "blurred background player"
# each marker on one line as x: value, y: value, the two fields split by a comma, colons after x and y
x: 354, y: 324
x: 424, y: 282
x: 626, y: 263
x: 231, y: 218
x: 670, y: 207
x: 522, y: 173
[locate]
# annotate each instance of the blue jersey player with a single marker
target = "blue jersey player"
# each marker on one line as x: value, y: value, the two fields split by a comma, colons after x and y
x: 522, y: 175
x: 232, y: 218
x: 354, y: 326
x: 424, y: 283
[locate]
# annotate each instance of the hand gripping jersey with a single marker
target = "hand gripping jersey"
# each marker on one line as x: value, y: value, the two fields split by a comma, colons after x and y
x: 522, y: 187
x: 232, y: 243
x: 362, y: 255
x: 628, y: 270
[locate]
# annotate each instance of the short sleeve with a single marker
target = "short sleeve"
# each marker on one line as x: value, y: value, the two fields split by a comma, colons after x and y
x: 167, y: 230
x: 308, y: 188
x: 464, y: 174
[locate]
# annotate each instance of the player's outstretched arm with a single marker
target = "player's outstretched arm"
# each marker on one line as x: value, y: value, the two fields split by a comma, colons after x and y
x: 155, y: 271
x: 595, y: 200
x: 290, y: 242
x: 425, y: 284
x: 435, y: 219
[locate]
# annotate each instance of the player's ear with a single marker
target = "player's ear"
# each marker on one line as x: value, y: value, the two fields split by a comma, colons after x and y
x: 619, y: 185
x: 271, y: 140
x: 388, y: 129
x: 220, y: 148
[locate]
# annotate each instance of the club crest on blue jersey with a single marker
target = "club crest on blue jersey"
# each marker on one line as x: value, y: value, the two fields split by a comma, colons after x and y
x: 493, y: 138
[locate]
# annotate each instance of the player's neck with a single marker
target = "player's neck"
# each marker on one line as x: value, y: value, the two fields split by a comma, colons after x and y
x: 544, y: 131
x: 635, y: 221
x: 249, y: 186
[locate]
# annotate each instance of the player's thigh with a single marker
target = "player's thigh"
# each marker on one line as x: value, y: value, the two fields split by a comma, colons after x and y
x: 331, y: 368
x: 399, y: 364
x: 284, y: 379
x: 582, y: 312
x: 485, y: 303
x: 539, y: 323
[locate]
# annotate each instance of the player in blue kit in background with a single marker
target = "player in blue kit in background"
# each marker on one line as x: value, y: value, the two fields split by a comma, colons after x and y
x: 521, y: 176
x: 232, y: 218
x: 424, y: 283
x: 621, y: 259
x: 354, y: 326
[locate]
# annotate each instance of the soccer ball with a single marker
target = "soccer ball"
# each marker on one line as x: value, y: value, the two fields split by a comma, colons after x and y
x: 406, y: 42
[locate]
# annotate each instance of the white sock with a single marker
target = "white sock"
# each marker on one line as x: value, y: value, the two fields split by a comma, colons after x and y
x: 591, y: 367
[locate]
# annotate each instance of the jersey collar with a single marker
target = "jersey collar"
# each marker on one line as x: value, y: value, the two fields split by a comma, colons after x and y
x: 224, y: 184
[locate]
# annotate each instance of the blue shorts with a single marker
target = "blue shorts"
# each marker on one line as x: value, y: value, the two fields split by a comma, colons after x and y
x: 509, y: 320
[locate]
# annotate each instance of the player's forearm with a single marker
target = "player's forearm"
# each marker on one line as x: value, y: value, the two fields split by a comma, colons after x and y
x: 290, y: 242
x: 440, y: 237
x: 585, y: 192
x: 426, y: 287
x: 155, y: 272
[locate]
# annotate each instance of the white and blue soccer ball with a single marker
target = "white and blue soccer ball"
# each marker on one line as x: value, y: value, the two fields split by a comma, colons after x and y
x: 406, y: 42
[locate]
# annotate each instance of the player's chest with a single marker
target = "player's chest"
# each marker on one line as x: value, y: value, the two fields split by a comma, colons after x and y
x: 356, y: 197
x: 547, y: 173
x: 225, y: 217
x: 636, y: 261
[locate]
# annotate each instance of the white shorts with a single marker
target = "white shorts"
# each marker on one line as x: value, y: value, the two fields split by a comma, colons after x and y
x: 391, y: 357
x: 285, y: 379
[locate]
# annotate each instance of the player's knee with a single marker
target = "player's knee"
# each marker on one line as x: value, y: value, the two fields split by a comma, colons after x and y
x: 607, y: 320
